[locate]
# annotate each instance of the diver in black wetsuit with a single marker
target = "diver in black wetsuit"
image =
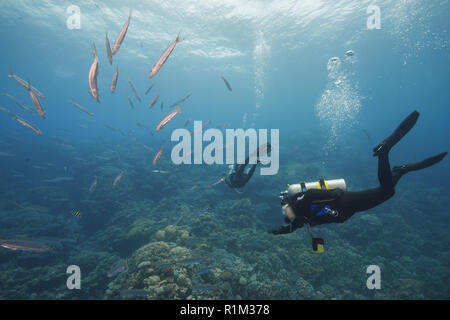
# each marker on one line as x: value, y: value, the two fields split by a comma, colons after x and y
x: 237, y: 177
x: 315, y: 206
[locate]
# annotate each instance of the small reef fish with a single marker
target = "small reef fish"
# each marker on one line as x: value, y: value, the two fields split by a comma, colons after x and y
x: 160, y: 171
x: 6, y: 154
x: 15, y: 244
x: 135, y: 293
x: 76, y: 105
x: 21, y: 105
x: 60, y: 179
x: 164, y: 266
x: 178, y: 220
x: 25, y: 84
x: 167, y: 118
x: 121, y: 35
x: 139, y: 124
x: 367, y: 135
x: 17, y: 204
x: 204, y: 287
x: 118, y: 268
x: 193, y: 187
x: 153, y: 101
x: 207, y: 123
x: 187, y: 122
x: 158, y: 155
x: 134, y: 90
x: 102, y: 158
x: 5, y: 110
x: 60, y: 200
x: 93, y: 75
x: 18, y: 175
x: 77, y: 213
x: 221, y: 126
x: 109, y: 127
x: 39, y: 167
x: 226, y: 82
x: 117, y: 179
x: 108, y: 49
x: 147, y: 147
x: 93, y: 185
x: 65, y: 146
x: 131, y: 103
x: 27, y: 124
x: 206, y: 208
x: 114, y: 80
x: 191, y: 261
x: 164, y: 57
x: 150, y: 88
x: 180, y: 101
x: 204, y: 270
x: 162, y: 105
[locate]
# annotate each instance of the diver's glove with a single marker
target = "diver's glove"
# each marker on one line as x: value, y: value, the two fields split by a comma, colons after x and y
x: 294, y: 225
x: 281, y: 230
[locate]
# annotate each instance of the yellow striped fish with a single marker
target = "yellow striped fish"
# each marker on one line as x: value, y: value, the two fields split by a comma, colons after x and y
x: 77, y: 213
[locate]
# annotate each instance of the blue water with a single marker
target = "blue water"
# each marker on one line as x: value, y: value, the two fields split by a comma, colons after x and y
x: 276, y: 56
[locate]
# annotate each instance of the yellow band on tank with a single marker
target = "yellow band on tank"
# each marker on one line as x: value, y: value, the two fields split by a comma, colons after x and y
x: 320, y: 249
x: 320, y: 187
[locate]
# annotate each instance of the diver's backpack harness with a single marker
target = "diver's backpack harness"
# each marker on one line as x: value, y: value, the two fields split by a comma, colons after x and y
x: 302, y: 187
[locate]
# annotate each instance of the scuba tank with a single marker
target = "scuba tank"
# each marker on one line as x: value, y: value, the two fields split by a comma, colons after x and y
x: 321, y: 184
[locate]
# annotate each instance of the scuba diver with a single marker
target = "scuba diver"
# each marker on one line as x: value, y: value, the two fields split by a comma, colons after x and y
x: 237, y: 177
x: 328, y: 201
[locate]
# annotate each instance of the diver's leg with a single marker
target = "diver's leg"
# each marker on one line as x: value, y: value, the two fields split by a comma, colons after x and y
x: 399, y: 133
x: 352, y: 202
x: 399, y: 171
x: 241, y: 167
x: 250, y: 173
x: 367, y: 199
x: 384, y: 172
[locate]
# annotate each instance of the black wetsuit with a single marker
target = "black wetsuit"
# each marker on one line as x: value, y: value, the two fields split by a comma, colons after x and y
x: 238, y: 178
x: 317, y: 206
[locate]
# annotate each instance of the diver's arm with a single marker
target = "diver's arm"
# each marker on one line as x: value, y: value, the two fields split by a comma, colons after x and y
x: 227, y: 182
x: 294, y: 225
